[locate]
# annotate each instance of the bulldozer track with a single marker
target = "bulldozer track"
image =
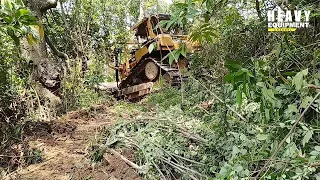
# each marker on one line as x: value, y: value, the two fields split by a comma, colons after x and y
x: 135, y: 85
x: 175, y: 76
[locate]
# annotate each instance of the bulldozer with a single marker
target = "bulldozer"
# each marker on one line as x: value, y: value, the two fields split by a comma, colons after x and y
x: 150, y: 60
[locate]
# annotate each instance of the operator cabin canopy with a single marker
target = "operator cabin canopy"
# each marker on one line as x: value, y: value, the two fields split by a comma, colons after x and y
x: 141, y: 27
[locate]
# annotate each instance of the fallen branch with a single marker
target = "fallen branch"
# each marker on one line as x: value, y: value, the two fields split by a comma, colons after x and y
x: 130, y: 163
x: 188, y: 135
x: 183, y: 168
x: 192, y: 136
x: 316, y: 164
x: 313, y: 86
x: 219, y: 99
x: 286, y: 137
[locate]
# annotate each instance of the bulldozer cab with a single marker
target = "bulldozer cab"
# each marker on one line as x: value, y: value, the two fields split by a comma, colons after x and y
x: 150, y: 27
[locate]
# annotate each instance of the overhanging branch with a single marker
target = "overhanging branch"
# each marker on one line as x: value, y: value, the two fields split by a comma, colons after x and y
x: 55, y: 51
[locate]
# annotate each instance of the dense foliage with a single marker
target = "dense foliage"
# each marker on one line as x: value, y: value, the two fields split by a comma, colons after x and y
x: 16, y: 22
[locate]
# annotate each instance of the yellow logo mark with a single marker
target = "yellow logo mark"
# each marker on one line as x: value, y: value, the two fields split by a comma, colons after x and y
x: 282, y: 29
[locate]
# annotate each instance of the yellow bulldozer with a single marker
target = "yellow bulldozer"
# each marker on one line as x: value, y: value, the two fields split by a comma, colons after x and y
x: 150, y: 59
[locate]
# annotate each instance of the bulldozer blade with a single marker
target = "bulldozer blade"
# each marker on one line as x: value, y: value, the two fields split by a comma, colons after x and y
x: 134, y: 92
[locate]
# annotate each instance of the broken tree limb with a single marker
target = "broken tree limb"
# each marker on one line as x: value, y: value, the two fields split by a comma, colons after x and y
x: 313, y: 86
x: 195, y: 137
x: 316, y: 164
x: 219, y: 99
x: 130, y: 163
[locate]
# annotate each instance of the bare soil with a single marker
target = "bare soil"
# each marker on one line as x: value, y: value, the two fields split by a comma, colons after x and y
x: 64, y: 146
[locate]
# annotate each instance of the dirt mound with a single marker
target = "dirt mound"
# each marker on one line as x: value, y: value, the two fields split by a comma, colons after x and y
x: 21, y: 154
x: 62, y: 128
x: 47, y: 129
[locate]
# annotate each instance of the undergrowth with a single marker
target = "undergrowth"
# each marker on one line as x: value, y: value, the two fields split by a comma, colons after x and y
x: 191, y: 135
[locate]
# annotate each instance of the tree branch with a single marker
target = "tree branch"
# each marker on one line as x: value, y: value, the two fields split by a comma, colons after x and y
x: 259, y: 10
x: 313, y: 86
x: 54, y: 49
x: 130, y: 163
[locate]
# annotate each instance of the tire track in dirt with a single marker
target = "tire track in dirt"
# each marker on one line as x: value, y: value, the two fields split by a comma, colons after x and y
x: 64, y: 151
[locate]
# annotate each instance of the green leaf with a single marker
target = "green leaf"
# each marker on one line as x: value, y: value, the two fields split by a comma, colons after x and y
x: 235, y: 150
x: 278, y: 50
x: 183, y: 51
x: 233, y: 65
x: 304, y: 127
x: 151, y: 47
x: 12, y: 34
x: 314, y: 153
x: 240, y: 72
x: 292, y: 108
x: 171, y: 58
x: 317, y: 148
x: 169, y: 23
x: 261, y: 84
x: 8, y: 19
x: 267, y: 113
x: 239, y: 96
x: 228, y: 78
x: 29, y: 20
x: 8, y: 5
x: 262, y: 137
x: 268, y: 95
x: 298, y: 79
x: 246, y: 90
x: 306, y: 101
x: 249, y: 74
x: 288, y: 140
x: 21, y: 12
x: 307, y: 137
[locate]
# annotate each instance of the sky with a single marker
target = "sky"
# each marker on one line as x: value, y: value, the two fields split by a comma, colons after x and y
x: 168, y: 1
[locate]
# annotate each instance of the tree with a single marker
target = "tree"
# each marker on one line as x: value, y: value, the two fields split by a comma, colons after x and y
x: 46, y: 71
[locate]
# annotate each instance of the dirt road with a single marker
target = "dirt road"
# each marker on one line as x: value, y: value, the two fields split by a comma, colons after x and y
x: 64, y: 146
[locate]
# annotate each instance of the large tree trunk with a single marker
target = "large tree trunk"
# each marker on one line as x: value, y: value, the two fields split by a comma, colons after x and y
x: 46, y: 71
